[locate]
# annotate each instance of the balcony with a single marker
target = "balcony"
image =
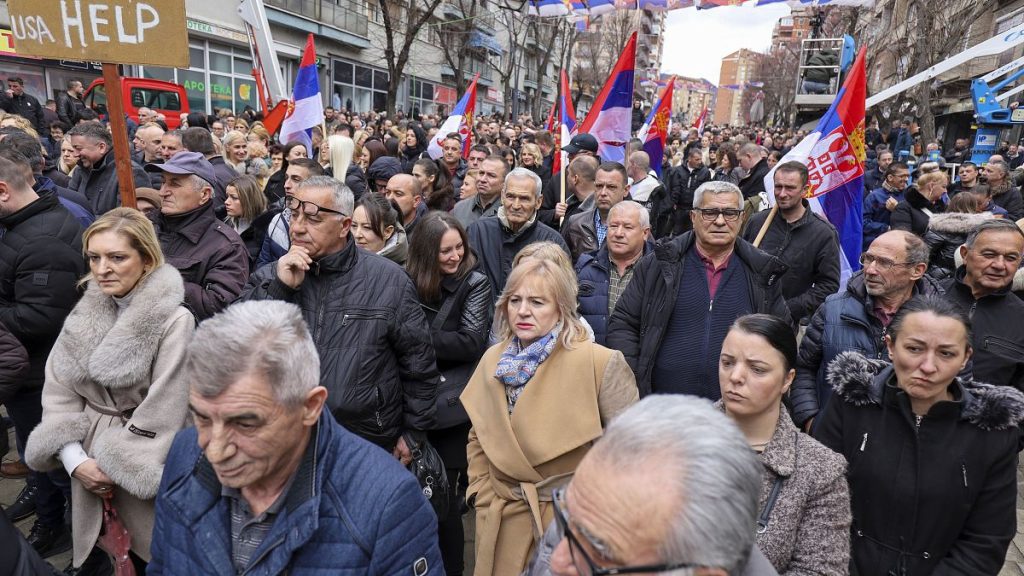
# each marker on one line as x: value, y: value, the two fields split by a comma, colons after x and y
x: 341, y: 20
x: 450, y: 11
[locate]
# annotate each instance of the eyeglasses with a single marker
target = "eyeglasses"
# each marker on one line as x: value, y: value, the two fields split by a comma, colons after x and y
x: 577, y: 552
x: 883, y: 264
x: 307, y: 208
x: 712, y: 214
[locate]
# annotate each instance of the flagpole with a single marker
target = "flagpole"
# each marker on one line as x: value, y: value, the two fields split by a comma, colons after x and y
x: 563, y: 157
x: 764, y: 227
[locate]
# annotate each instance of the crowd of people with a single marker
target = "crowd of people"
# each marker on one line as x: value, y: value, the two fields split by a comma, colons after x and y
x: 322, y: 357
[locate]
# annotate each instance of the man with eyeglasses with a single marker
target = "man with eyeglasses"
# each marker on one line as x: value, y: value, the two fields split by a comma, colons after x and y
x: 276, y: 242
x: 210, y: 255
x: 671, y: 320
x: 893, y: 271
x: 376, y: 357
x: 693, y: 509
x: 991, y: 258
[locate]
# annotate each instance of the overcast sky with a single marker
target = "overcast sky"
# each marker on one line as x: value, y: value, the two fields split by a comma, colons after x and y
x: 696, y: 41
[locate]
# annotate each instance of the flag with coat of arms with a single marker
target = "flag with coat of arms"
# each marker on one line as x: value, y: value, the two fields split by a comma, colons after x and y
x: 460, y: 121
x: 306, y: 108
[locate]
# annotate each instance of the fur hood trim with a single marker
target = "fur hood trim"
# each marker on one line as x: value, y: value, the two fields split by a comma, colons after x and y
x: 861, y: 381
x: 957, y: 222
x: 116, y: 351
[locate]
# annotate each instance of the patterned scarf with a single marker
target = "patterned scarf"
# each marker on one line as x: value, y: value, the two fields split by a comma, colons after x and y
x: 518, y: 365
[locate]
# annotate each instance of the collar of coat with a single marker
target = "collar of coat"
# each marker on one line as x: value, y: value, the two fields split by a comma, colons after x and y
x: 767, y: 267
x: 192, y: 224
x: 47, y: 201
x: 861, y: 381
x: 507, y: 229
x: 341, y: 261
x: 117, y: 350
x: 780, y: 453
x: 960, y: 285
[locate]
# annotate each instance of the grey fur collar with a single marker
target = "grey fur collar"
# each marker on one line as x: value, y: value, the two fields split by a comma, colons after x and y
x: 860, y: 381
x: 957, y: 222
x: 117, y: 351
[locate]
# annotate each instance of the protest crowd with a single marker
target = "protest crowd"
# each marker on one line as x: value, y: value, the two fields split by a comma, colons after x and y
x: 332, y: 358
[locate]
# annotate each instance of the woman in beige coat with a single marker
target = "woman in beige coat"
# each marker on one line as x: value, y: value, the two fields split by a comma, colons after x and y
x: 113, y: 397
x: 537, y: 402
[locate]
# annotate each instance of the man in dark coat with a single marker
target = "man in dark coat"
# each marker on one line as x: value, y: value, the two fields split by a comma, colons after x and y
x: 1004, y: 193
x: 497, y: 239
x: 200, y: 140
x: 16, y: 101
x: 749, y: 156
x: 376, y: 357
x: 587, y: 230
x: 670, y: 330
x: 685, y: 180
x: 580, y: 145
x: 211, y: 257
x: 40, y: 265
x: 804, y: 241
x: 69, y: 103
x: 96, y: 175
x: 991, y: 256
x: 487, y: 200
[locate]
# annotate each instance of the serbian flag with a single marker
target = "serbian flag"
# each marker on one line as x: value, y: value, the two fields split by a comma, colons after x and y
x: 699, y: 122
x: 460, y: 120
x: 550, y: 125
x: 610, y: 118
x: 566, y: 123
x: 305, y: 109
x: 834, y: 156
x: 654, y: 132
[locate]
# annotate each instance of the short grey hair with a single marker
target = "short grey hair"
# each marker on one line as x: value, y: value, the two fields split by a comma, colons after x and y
x: 749, y: 149
x: 716, y: 476
x: 265, y: 338
x: 341, y: 195
x: 715, y: 188
x: 524, y: 174
x: 992, y: 225
x: 198, y: 183
x: 645, y: 216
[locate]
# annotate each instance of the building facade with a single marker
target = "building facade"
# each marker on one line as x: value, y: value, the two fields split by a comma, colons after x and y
x: 737, y: 69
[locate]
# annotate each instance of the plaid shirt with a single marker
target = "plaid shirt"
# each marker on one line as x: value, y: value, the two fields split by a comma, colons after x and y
x: 601, y: 229
x: 617, y: 284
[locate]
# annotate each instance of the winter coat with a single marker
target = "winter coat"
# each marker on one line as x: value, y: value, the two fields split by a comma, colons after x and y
x: 936, y: 498
x: 99, y: 184
x: 753, y: 183
x: 40, y: 264
x: 730, y: 176
x: 17, y: 556
x: 14, y: 364
x: 552, y: 193
x: 1011, y: 201
x: 642, y: 314
x: 516, y: 461
x: 396, y: 248
x: 355, y: 179
x: 114, y: 384
x: 496, y: 245
x: 877, y: 218
x: 946, y: 233
x: 580, y: 234
x: 351, y: 510
x: 845, y: 321
x: 593, y: 272
x: 211, y: 257
x: 810, y: 249
x: 914, y: 212
x: 26, y: 106
x: 255, y: 234
x: 469, y: 210
x: 684, y: 182
x: 375, y: 354
x: 68, y: 108
x: 69, y: 199
x: 659, y: 207
x: 807, y: 530
x: 997, y: 324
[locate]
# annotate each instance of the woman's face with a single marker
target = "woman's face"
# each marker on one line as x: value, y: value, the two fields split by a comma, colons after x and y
x: 233, y: 204
x: 468, y: 189
x: 532, y: 311
x: 116, y: 266
x: 526, y: 157
x: 363, y: 233
x: 426, y: 181
x: 297, y: 152
x: 276, y: 161
x: 927, y: 354
x: 751, y: 374
x: 935, y: 190
x: 410, y: 139
x: 364, y: 159
x: 325, y: 152
x: 68, y: 155
x: 369, y: 131
x: 511, y: 159
x: 239, y: 151
x: 724, y: 162
x: 451, y: 252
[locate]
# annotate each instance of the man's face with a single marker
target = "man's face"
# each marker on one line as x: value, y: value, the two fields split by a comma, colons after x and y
x: 968, y: 174
x: 520, y: 200
x: 898, y: 179
x: 492, y: 175
x: 884, y: 159
x: 90, y: 152
x: 748, y: 161
x: 789, y: 189
x: 17, y: 88
x: 889, y: 248
x: 217, y: 128
x: 452, y: 151
x: 1013, y: 149
x: 151, y: 142
x: 77, y: 89
x: 609, y: 190
x: 991, y: 174
x: 992, y: 261
x: 179, y: 196
x: 323, y: 234
x: 626, y: 236
x: 492, y: 129
x: 146, y: 115
x: 169, y: 146
x: 247, y: 435
x: 721, y: 231
x: 693, y: 161
x: 400, y: 189
x: 476, y: 157
x: 294, y: 176
x: 329, y: 114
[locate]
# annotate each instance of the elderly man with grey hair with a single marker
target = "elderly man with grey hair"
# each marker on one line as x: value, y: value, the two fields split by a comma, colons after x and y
x: 671, y: 487
x: 672, y: 318
x: 267, y: 482
x: 497, y: 239
x: 376, y: 357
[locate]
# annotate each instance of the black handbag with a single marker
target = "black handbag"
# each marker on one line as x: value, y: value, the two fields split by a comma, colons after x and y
x: 430, y: 472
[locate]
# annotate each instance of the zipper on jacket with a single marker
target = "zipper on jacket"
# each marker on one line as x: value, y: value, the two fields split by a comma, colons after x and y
x: 864, y: 442
x: 255, y: 561
x: 963, y: 467
x: 974, y: 306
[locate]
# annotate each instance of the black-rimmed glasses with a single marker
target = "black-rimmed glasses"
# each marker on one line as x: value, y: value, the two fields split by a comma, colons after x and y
x: 590, y: 568
x: 306, y: 208
x: 712, y: 214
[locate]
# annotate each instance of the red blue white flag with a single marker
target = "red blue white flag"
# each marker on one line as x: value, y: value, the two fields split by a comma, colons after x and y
x: 306, y: 108
x: 654, y: 132
x: 610, y: 118
x: 460, y: 120
x: 566, y: 122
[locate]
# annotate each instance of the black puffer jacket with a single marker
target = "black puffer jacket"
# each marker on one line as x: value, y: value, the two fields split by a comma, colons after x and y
x: 641, y: 316
x: 100, y: 185
x: 753, y: 183
x: 376, y: 357
x: 14, y: 364
x: 946, y: 232
x: 914, y: 212
x: 1011, y: 201
x: 40, y: 264
x: 936, y: 498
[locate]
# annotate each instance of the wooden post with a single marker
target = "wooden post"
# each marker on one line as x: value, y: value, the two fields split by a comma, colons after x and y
x: 764, y: 227
x: 119, y: 132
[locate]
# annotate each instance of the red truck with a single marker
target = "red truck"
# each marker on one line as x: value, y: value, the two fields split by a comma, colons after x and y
x: 166, y: 98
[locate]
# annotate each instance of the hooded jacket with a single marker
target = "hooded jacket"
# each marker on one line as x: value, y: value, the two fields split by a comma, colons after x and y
x: 935, y: 498
x: 946, y: 232
x: 396, y: 248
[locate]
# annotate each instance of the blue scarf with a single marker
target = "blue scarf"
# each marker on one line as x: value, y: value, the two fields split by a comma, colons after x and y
x: 518, y: 365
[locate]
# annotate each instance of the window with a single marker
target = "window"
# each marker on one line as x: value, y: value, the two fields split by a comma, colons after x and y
x: 219, y: 76
x: 358, y: 88
x: 154, y: 98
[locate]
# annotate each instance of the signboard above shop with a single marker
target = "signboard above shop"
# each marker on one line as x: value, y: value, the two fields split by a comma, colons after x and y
x: 118, y: 31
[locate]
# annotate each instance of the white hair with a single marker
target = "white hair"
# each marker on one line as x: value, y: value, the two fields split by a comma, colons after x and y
x: 525, y: 174
x: 341, y: 150
x: 342, y: 198
x: 645, y: 216
x: 716, y: 187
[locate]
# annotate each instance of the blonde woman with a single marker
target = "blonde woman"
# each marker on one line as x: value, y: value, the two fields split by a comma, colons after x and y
x: 247, y: 213
x: 68, y: 157
x: 341, y: 150
x: 537, y: 402
x: 113, y: 397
